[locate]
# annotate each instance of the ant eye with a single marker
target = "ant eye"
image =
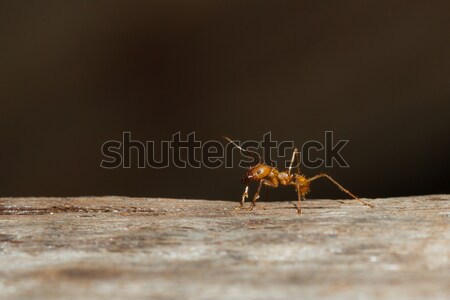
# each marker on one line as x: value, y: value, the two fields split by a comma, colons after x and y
x: 259, y: 171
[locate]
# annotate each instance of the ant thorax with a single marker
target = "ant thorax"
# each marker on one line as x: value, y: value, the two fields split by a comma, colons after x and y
x: 284, y: 178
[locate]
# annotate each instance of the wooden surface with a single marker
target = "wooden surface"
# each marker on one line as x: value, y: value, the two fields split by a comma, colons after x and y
x: 140, y: 248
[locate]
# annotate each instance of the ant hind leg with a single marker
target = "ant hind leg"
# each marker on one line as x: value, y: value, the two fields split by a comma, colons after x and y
x: 340, y: 187
x: 300, y: 198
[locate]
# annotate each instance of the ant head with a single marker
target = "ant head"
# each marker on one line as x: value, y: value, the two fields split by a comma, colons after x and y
x: 256, y: 173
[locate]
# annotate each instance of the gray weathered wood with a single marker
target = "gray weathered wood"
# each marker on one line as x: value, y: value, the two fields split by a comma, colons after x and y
x: 136, y: 248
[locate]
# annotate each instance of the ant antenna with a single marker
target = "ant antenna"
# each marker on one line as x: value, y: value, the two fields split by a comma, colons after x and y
x: 252, y: 153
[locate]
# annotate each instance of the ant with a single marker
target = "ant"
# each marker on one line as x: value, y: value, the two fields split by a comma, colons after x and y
x: 272, y: 177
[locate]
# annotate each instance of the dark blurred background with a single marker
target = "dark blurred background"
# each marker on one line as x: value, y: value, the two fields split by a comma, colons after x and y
x: 74, y: 74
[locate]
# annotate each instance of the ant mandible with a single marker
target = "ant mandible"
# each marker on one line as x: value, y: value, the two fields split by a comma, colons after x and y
x: 272, y: 177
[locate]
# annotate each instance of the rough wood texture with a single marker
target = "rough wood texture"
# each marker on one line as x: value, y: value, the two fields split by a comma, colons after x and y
x: 136, y: 248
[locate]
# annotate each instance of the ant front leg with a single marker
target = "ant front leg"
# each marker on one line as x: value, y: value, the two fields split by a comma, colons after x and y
x: 256, y: 197
x: 244, y: 195
x: 262, y: 182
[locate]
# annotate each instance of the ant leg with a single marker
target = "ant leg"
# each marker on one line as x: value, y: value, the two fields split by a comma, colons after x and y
x: 300, y: 198
x: 297, y: 155
x: 256, y: 197
x: 340, y: 187
x: 261, y: 183
x: 292, y: 161
x: 244, y: 195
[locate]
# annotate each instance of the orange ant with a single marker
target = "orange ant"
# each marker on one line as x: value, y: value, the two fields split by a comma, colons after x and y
x: 272, y: 177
